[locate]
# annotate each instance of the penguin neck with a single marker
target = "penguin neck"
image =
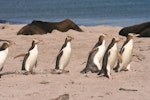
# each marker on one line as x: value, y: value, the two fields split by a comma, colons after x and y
x: 34, y: 46
x: 34, y: 50
x: 103, y: 42
x: 112, y: 44
x: 5, y: 50
x: 115, y: 45
x: 68, y: 44
x: 130, y: 42
x: 1, y: 49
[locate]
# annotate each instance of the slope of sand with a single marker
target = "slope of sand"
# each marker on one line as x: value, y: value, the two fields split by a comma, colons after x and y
x: 45, y: 86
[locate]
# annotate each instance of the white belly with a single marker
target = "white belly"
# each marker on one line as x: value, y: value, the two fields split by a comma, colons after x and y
x: 113, y: 56
x: 65, y: 58
x: 31, y: 60
x: 99, y: 55
x: 3, y: 56
x: 127, y: 54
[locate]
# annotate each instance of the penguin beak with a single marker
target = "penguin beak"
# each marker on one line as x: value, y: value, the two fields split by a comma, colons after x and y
x: 136, y: 35
x: 39, y: 41
x: 117, y: 39
x: 11, y: 43
x: 69, y: 38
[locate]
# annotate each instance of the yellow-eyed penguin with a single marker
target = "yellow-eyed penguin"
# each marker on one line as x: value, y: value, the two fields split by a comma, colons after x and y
x: 30, y: 58
x: 64, y: 55
x: 126, y: 54
x: 95, y: 56
x: 110, y: 58
x: 4, y: 52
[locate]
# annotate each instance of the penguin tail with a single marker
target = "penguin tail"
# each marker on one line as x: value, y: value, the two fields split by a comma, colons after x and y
x: 6, y: 73
x: 85, y: 70
x: 94, y: 69
x: 116, y: 68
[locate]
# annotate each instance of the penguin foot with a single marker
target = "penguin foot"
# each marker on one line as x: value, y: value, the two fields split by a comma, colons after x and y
x: 25, y: 73
x: 94, y: 71
x: 108, y: 76
x: 125, y: 70
x: 33, y: 73
x: 59, y: 71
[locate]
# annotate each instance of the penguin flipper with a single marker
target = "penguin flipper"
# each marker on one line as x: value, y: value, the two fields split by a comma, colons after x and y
x: 22, y: 54
x: 58, y: 58
x: 59, y: 53
x: 122, y: 50
x: 94, y: 49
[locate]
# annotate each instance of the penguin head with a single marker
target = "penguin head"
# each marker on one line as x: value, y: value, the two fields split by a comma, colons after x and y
x: 6, y: 44
x: 69, y: 38
x: 35, y: 41
x: 116, y: 39
x: 102, y: 37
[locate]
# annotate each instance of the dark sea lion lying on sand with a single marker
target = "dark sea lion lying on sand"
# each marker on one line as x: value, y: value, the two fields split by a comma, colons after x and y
x: 40, y: 27
x: 143, y: 29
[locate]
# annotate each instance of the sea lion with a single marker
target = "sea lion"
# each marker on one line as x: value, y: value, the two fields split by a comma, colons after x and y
x: 142, y: 29
x: 41, y: 27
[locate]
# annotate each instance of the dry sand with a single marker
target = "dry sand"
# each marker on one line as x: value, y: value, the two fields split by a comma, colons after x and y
x: 45, y: 86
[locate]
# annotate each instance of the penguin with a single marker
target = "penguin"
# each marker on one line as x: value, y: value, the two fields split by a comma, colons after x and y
x: 126, y: 54
x: 95, y: 56
x: 110, y: 58
x: 64, y: 55
x: 30, y: 58
x: 4, y: 52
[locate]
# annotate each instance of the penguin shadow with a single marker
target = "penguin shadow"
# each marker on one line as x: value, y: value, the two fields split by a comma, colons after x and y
x: 6, y: 73
x: 62, y: 97
x: 138, y: 57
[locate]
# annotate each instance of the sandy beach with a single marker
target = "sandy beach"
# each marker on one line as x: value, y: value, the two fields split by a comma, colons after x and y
x: 46, y: 86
